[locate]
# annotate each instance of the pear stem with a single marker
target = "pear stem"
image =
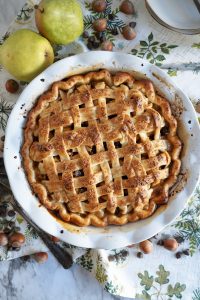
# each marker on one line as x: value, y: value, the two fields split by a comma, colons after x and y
x: 37, y: 7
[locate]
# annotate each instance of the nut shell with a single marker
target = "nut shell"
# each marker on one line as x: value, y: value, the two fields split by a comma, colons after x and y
x: 40, y: 257
x: 146, y: 247
x: 171, y: 244
x: 12, y: 86
x: 100, y: 25
x: 3, y: 239
x: 99, y: 5
x: 128, y: 32
x: 16, y: 239
x: 127, y: 7
x: 107, y: 46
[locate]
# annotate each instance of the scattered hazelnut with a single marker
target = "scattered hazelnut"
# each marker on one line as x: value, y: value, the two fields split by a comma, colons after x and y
x: 40, y: 257
x: 140, y: 255
x: 132, y: 24
x: 107, y: 46
x: 127, y: 7
x: 170, y: 244
x: 128, y: 32
x: 54, y: 239
x: 12, y: 86
x: 100, y: 25
x: 146, y: 246
x: 3, y: 239
x: 16, y: 239
x: 99, y: 5
x: 178, y: 255
x: 160, y: 243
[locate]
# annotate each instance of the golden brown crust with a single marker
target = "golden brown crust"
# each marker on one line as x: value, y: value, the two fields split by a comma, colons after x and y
x: 101, y: 149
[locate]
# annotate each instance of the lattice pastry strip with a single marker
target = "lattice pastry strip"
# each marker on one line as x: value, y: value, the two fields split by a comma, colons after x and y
x: 101, y: 149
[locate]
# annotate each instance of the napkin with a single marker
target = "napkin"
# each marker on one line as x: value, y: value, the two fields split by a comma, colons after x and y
x: 161, y: 274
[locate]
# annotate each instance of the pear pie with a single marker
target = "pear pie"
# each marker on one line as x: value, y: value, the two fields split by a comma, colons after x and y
x: 101, y: 148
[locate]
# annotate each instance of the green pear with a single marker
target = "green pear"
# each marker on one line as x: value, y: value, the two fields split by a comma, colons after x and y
x: 60, y: 21
x: 25, y: 54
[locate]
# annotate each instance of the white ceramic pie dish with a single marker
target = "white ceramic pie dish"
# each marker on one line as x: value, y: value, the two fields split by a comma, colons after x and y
x: 111, y: 236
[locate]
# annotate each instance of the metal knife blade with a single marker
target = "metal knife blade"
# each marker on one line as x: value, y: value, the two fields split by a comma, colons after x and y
x: 197, y: 4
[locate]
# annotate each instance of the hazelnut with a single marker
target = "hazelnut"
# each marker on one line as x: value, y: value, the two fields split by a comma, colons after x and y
x: 100, y: 25
x: 128, y: 32
x: 54, y: 239
x: 40, y: 257
x: 12, y: 86
x: 3, y: 239
x: 16, y: 239
x: 171, y: 244
x: 146, y: 246
x: 107, y: 46
x: 99, y: 5
x: 127, y: 7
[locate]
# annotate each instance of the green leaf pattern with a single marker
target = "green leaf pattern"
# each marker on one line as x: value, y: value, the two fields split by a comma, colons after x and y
x: 101, y: 274
x: 156, y: 286
x: 5, y: 109
x: 196, y: 294
x: 188, y: 224
x: 86, y: 261
x: 153, y: 50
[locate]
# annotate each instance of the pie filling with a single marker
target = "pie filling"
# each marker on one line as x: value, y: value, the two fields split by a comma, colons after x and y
x: 101, y: 149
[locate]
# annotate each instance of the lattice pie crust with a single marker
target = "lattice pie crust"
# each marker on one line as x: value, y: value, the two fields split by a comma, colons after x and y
x: 101, y: 149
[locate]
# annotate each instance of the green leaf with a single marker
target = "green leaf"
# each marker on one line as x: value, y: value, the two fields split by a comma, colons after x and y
x: 19, y: 219
x: 152, y: 61
x: 146, y: 280
x: 111, y: 288
x: 150, y: 37
x: 192, y: 245
x: 172, y: 46
x: 154, y: 43
x: 172, y: 72
x: 143, y: 43
x: 158, y: 64
x: 170, y: 291
x: 195, y: 45
x: 196, y: 294
x: 163, y: 45
x: 134, y: 51
x: 160, y: 57
x: 149, y: 55
x: 154, y: 49
x: 176, y: 290
x: 165, y: 50
x: 143, y: 296
x: 162, y: 275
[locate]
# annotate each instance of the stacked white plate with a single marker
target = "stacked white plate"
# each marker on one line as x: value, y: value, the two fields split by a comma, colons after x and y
x: 179, y: 15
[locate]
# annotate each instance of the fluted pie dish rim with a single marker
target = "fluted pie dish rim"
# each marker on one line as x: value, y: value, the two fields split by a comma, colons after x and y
x: 110, y: 236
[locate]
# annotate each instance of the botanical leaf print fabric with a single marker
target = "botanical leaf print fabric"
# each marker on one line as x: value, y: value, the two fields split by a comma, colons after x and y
x: 161, y: 275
